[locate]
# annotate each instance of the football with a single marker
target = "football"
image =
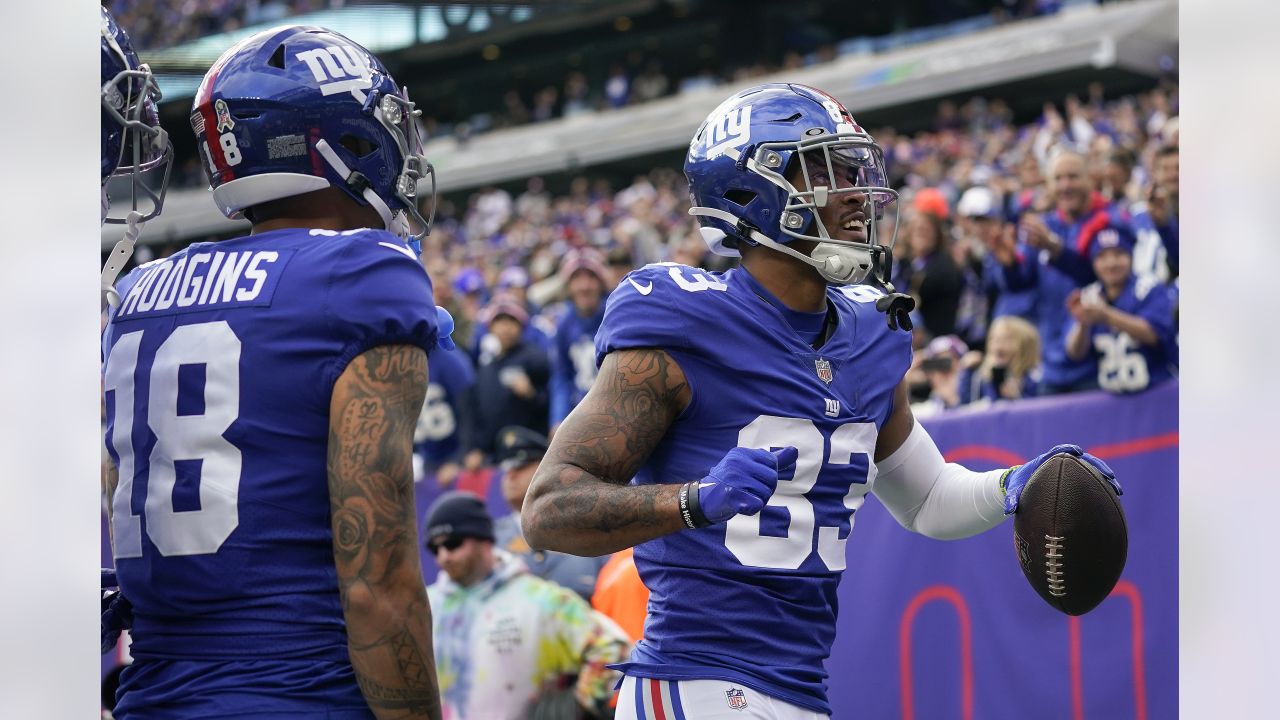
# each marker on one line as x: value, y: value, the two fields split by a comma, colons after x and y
x: 1070, y: 534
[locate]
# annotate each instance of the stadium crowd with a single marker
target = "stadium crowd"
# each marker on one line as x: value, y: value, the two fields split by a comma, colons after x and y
x: 155, y: 24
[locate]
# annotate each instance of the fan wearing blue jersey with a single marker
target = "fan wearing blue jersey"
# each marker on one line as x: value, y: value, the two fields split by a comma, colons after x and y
x: 1123, y: 322
x: 1155, y: 221
x: 262, y: 394
x: 573, y: 360
x: 437, y: 439
x: 739, y: 419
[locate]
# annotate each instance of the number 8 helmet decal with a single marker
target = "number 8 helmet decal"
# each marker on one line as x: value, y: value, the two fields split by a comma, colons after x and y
x: 738, y: 166
x: 296, y: 109
x: 133, y: 143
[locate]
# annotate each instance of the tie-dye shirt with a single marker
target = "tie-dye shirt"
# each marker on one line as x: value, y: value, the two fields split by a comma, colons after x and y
x: 503, y: 643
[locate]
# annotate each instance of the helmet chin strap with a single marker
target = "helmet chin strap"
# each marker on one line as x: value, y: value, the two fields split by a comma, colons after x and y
x: 358, y: 182
x: 837, y: 263
x: 120, y: 254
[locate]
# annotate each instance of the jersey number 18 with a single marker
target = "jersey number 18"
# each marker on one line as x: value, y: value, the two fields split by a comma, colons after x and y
x: 180, y: 436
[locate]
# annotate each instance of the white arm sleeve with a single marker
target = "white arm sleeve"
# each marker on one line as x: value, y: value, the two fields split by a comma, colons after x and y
x: 930, y: 496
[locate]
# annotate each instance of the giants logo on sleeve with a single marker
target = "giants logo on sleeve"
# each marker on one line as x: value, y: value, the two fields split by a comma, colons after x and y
x: 339, y: 69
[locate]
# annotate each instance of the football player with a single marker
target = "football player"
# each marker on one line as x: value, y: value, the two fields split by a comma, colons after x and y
x: 262, y: 394
x: 134, y: 146
x: 740, y: 418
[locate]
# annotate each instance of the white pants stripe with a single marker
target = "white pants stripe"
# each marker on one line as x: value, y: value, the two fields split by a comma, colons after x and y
x: 649, y: 699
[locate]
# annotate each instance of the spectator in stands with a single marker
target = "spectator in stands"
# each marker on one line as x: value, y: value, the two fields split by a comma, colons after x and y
x: 544, y: 104
x: 932, y: 276
x: 1116, y: 176
x: 509, y: 644
x: 511, y: 388
x: 515, y: 112
x: 467, y: 299
x: 519, y: 452
x: 437, y: 438
x: 577, y: 95
x: 1031, y: 194
x: 1051, y: 261
x: 617, y: 87
x: 940, y: 362
x: 1010, y: 369
x: 586, y: 279
x: 979, y: 213
x: 978, y: 224
x: 1123, y: 323
x: 1155, y: 221
x: 513, y: 283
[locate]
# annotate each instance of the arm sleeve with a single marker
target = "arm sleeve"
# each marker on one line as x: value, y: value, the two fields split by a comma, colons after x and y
x: 930, y: 496
x: 646, y: 310
x: 378, y: 295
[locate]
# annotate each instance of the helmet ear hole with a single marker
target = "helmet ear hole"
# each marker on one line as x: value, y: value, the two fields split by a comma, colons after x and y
x: 362, y: 147
x: 739, y: 197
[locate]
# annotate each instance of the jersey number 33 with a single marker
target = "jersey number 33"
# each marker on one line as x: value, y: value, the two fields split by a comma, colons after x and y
x: 743, y: 536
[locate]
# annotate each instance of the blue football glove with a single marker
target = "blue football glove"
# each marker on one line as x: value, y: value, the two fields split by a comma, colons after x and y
x: 444, y: 325
x: 117, y: 612
x: 740, y: 484
x: 1015, y: 478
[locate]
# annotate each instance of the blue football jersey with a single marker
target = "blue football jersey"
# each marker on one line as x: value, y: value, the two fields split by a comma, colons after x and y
x: 1124, y: 364
x: 753, y: 600
x: 219, y: 364
x: 436, y: 437
x: 573, y: 360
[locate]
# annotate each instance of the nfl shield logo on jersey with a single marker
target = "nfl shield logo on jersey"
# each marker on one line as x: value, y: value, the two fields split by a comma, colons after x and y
x: 737, y: 698
x: 824, y: 370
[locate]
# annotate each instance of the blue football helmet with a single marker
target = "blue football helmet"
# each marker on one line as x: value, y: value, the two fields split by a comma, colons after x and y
x: 738, y: 167
x: 133, y: 143
x: 296, y: 109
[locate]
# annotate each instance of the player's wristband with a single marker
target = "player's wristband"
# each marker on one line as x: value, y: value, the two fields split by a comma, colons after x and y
x: 690, y: 510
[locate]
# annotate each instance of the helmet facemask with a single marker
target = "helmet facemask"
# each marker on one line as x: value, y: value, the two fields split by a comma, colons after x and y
x: 833, y: 169
x: 129, y: 100
x: 398, y: 114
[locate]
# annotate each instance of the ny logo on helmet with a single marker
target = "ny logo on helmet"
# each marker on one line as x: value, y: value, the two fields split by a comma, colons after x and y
x: 339, y: 69
x: 728, y: 131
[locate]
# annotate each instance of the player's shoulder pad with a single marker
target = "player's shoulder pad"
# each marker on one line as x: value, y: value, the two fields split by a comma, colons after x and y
x: 671, y: 284
x: 366, y: 255
x: 368, y: 243
x: 871, y: 326
x: 377, y: 289
x: 657, y: 306
x: 860, y: 301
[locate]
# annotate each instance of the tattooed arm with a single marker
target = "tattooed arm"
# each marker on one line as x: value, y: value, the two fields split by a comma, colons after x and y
x: 372, y: 413
x: 580, y: 501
